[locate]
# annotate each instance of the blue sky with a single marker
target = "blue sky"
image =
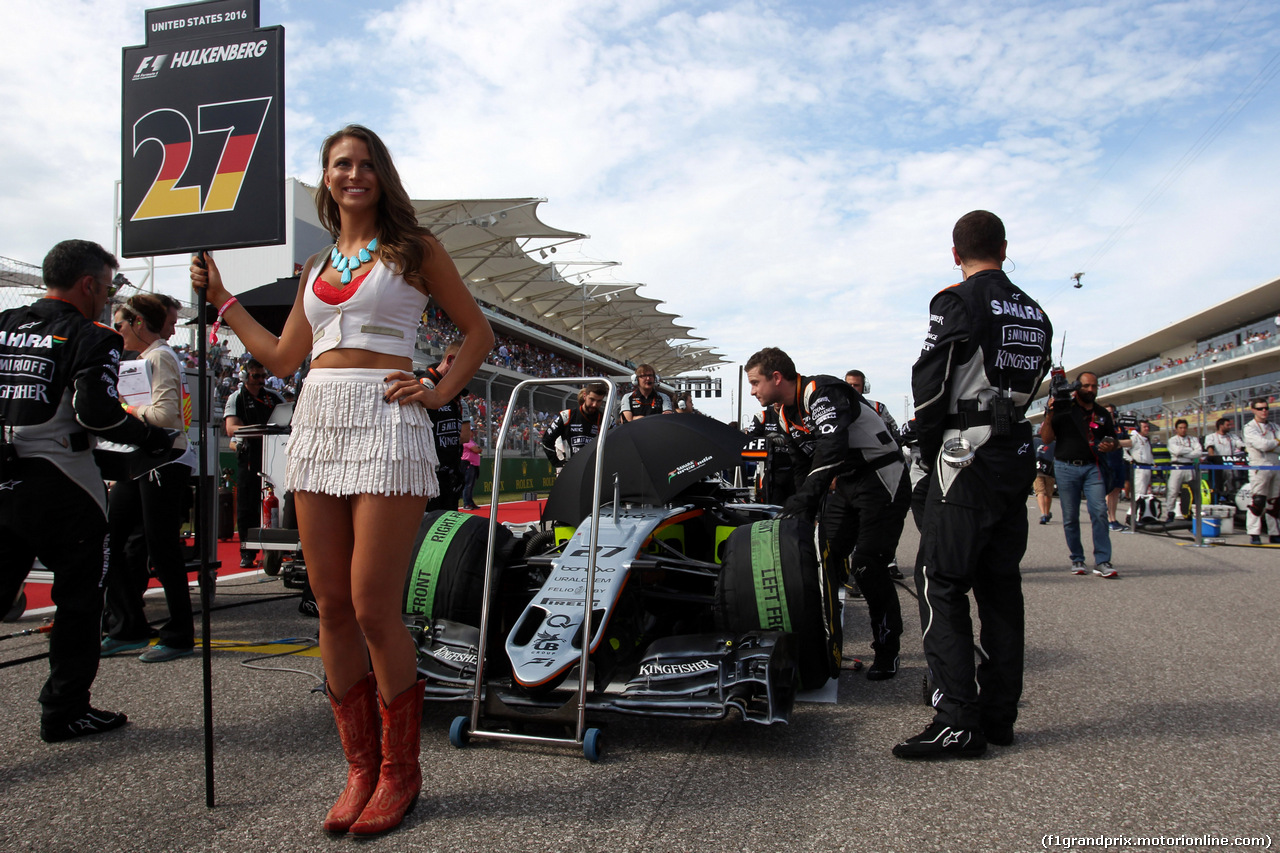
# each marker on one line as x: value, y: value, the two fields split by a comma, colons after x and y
x: 779, y: 174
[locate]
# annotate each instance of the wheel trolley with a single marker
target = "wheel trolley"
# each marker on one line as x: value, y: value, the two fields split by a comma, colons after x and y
x: 464, y: 728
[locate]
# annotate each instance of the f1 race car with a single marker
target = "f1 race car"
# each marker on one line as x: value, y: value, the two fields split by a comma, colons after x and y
x: 700, y: 603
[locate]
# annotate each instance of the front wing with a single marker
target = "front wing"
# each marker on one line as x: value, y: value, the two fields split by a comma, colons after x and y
x: 698, y: 676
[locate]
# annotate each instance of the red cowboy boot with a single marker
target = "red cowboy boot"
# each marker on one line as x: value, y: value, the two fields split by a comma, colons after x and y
x: 400, y: 779
x: 359, y: 730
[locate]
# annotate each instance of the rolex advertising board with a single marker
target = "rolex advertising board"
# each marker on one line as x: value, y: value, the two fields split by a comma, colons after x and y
x: 202, y: 131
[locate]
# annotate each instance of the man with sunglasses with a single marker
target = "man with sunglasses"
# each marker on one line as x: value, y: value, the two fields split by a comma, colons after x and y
x: 58, y: 374
x: 646, y: 399
x: 249, y: 405
x: 1261, y: 438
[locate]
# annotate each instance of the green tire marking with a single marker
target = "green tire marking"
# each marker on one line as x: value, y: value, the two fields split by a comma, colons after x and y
x: 425, y: 575
x: 766, y: 570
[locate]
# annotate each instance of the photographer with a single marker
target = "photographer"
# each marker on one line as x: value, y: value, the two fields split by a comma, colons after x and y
x: 1084, y: 432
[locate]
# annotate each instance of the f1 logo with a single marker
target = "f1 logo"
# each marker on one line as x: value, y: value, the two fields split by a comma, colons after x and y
x: 156, y: 62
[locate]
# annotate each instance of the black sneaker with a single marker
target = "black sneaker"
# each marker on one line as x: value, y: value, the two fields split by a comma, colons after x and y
x: 894, y: 571
x: 308, y: 607
x: 1255, y: 540
x: 1274, y: 540
x: 248, y: 559
x: 91, y: 722
x: 851, y: 590
x: 884, y: 667
x: 942, y: 741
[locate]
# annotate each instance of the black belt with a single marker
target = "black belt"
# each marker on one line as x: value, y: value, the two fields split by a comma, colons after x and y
x: 1078, y: 463
x: 964, y: 420
x: 874, y: 465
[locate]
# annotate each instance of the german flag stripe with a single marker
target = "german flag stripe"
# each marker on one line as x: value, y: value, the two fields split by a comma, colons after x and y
x: 235, y: 158
x: 224, y: 191
x: 176, y: 157
x: 164, y: 200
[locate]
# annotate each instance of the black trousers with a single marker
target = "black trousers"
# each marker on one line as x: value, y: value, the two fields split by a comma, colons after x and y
x: 861, y: 518
x: 450, y: 478
x: 154, y: 501
x: 248, y: 501
x: 973, y: 538
x: 45, y: 514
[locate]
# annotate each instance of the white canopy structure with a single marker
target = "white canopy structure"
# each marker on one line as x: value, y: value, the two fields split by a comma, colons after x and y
x: 494, y: 243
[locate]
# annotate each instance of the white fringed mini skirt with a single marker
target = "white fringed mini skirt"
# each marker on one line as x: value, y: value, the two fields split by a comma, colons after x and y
x: 346, y: 440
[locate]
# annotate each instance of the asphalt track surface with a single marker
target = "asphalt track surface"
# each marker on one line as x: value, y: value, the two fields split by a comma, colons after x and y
x: 1150, y: 710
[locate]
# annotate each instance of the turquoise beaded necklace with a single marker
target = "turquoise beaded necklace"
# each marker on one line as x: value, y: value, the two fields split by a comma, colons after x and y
x: 345, y: 265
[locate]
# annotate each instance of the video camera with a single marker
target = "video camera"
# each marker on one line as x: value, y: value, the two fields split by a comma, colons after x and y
x: 1127, y: 421
x: 1059, y: 388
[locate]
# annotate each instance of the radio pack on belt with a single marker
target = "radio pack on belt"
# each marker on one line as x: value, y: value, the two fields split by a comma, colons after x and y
x: 8, y: 453
x: 1003, y: 416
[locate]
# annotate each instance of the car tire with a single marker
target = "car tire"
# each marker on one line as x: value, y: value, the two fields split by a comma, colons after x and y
x: 446, y: 575
x: 756, y: 557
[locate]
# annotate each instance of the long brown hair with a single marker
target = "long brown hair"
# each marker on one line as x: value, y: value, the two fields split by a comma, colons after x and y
x: 399, y: 234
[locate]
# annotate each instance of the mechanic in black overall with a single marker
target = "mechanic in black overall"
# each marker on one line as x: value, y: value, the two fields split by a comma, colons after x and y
x: 646, y: 399
x: 778, y: 480
x: 451, y: 424
x: 249, y: 405
x: 985, y: 355
x: 846, y: 443
x: 58, y: 374
x: 578, y: 426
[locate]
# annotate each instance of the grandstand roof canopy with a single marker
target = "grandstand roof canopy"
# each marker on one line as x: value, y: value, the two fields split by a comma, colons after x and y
x: 494, y: 242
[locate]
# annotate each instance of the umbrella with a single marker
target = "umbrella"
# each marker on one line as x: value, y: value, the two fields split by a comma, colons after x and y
x: 655, y: 458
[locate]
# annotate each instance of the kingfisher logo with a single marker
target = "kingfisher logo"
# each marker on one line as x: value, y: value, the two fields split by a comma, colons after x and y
x: 150, y: 66
x: 450, y: 656
x: 651, y: 669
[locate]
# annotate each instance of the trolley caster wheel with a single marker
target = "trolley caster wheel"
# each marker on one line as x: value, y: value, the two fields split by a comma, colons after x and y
x: 459, y: 734
x: 271, y: 562
x: 591, y: 745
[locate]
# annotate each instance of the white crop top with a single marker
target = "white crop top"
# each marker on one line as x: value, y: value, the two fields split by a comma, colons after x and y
x: 378, y: 311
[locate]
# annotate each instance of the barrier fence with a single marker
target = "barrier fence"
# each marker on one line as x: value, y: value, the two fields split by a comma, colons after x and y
x: 1197, y: 526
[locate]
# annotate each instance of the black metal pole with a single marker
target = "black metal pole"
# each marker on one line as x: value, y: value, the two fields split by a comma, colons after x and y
x: 203, y: 531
